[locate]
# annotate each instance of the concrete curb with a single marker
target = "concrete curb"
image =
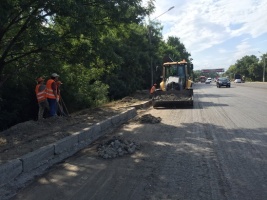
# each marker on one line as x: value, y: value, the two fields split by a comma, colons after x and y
x: 19, y: 172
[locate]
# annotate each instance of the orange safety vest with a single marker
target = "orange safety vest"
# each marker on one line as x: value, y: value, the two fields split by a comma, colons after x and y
x: 41, y: 95
x: 49, y: 90
x: 152, y: 90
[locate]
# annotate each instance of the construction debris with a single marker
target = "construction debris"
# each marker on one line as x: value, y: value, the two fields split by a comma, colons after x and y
x: 148, y: 118
x: 128, y: 99
x: 117, y: 147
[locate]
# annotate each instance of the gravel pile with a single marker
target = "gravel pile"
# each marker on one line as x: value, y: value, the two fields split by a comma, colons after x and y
x: 128, y: 99
x: 117, y: 147
x: 148, y: 118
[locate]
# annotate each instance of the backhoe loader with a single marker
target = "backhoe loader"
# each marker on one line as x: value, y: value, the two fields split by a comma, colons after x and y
x: 176, y: 86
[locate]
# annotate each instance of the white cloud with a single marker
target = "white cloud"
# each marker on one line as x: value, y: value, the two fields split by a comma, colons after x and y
x: 245, y: 48
x: 205, y: 24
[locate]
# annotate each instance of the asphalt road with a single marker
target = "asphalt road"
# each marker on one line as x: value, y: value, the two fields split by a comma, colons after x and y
x: 216, y: 150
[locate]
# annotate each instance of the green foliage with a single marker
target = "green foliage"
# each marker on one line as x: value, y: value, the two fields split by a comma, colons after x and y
x: 248, y: 66
x: 101, y: 50
x: 196, y: 75
x: 65, y: 29
x: 82, y: 87
x: 130, y: 50
x: 16, y: 104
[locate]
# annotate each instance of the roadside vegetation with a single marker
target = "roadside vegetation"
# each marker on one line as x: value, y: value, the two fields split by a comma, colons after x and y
x: 101, y: 50
x: 249, y: 67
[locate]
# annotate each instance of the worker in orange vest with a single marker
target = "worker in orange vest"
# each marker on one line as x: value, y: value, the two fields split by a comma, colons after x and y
x: 51, y: 94
x: 40, y: 91
x: 153, y: 89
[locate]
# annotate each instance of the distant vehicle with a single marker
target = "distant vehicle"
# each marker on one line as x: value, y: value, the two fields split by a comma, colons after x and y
x: 202, y: 79
x: 223, y: 82
x: 238, y: 81
x: 208, y: 81
x: 238, y: 78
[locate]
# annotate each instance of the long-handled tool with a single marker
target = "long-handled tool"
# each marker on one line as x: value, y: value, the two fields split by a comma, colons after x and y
x: 61, y: 110
x: 64, y: 105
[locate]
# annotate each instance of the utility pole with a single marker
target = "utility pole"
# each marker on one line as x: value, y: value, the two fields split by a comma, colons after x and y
x: 263, y: 73
x: 192, y: 74
x: 149, y: 34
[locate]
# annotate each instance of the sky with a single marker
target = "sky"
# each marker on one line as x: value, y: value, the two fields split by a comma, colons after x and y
x: 216, y: 33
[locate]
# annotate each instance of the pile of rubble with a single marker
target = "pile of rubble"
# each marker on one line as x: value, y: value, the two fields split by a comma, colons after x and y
x: 140, y: 95
x: 117, y: 147
x: 148, y: 118
x: 128, y: 100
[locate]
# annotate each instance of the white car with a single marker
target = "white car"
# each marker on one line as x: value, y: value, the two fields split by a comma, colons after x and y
x: 208, y: 81
x: 238, y: 81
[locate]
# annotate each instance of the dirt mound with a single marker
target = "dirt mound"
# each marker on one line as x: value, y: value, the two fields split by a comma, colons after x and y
x: 148, y: 118
x: 127, y: 101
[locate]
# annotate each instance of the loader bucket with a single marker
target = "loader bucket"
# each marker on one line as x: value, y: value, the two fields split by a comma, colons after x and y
x: 172, y: 98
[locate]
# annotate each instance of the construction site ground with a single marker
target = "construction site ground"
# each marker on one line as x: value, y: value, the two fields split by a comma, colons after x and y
x: 31, y: 135
x: 213, y: 150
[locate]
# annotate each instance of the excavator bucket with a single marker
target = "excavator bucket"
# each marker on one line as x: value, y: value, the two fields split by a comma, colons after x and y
x: 172, y: 98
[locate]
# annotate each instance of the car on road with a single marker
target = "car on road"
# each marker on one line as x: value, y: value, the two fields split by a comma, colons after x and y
x: 223, y: 81
x: 208, y: 81
x: 238, y: 81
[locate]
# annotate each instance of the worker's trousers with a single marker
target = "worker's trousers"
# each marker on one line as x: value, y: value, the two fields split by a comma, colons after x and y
x: 42, y: 106
x: 52, y: 107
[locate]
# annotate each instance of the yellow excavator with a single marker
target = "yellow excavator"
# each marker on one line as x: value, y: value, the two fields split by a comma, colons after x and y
x: 176, y: 86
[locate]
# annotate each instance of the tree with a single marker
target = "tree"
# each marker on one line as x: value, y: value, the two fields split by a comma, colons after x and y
x: 131, y: 47
x: 232, y: 70
x: 176, y: 50
x: 32, y: 30
x: 248, y: 66
x: 40, y: 37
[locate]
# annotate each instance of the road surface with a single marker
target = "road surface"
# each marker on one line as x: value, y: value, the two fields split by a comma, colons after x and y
x: 216, y: 150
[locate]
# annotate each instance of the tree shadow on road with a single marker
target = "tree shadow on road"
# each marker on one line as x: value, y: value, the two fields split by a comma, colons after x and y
x: 187, y: 161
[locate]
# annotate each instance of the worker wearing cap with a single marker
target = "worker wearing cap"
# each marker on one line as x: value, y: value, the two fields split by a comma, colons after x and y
x: 40, y: 91
x: 51, y: 94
